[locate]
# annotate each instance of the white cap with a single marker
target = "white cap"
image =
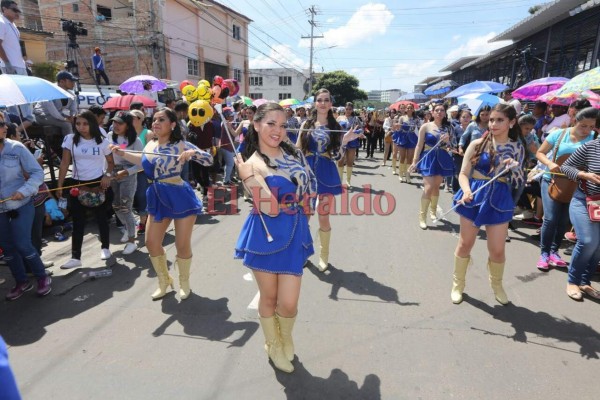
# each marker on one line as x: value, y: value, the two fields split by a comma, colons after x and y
x: 453, y: 108
x: 29, y: 62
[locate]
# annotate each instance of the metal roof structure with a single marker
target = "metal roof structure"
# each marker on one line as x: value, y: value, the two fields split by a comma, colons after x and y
x: 546, y: 16
x: 489, y: 55
x: 457, y: 64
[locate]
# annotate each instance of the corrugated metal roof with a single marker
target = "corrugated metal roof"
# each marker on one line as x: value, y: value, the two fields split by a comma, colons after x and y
x: 432, y: 79
x: 455, y: 65
x: 489, y: 55
x: 549, y: 14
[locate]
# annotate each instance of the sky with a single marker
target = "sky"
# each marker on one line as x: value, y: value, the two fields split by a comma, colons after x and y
x: 385, y: 44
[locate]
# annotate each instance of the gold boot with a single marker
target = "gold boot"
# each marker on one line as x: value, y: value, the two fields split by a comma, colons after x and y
x: 423, y: 213
x: 496, y: 271
x: 324, y: 238
x: 394, y: 163
x: 433, y: 208
x: 341, y: 172
x: 184, y: 265
x: 402, y: 170
x: 407, y: 172
x: 458, y: 283
x: 348, y: 175
x: 162, y: 272
x: 273, y: 344
x: 286, y: 325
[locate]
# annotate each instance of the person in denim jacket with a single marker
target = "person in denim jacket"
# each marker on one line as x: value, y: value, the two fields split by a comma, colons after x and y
x: 17, y: 212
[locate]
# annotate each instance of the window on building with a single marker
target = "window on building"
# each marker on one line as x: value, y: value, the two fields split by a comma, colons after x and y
x: 193, y: 67
x: 285, y: 80
x: 105, y: 12
x: 255, y: 96
x: 237, y: 74
x: 256, y: 81
x: 75, y: 7
x: 211, y: 70
x: 283, y: 96
x: 237, y: 32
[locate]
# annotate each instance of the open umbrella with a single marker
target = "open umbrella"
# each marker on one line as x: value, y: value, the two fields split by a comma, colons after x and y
x: 588, y: 80
x: 412, y: 96
x: 135, y: 84
x: 289, y: 102
x: 440, y: 87
x: 477, y: 87
x: 477, y: 100
x: 247, y: 100
x: 260, y: 102
x: 397, y: 104
x: 538, y: 87
x: 123, y: 102
x: 554, y: 97
x: 22, y: 89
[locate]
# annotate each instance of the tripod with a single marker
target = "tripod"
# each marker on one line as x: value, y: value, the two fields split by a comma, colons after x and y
x: 73, y: 51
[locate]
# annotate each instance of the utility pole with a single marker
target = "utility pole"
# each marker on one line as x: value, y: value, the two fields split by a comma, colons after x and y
x: 153, y: 42
x: 312, y: 12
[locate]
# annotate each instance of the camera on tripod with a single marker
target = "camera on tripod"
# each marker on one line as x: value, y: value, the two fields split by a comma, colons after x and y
x: 73, y: 28
x: 523, y: 52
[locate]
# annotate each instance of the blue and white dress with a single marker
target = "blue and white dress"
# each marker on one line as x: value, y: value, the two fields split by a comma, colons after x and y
x: 293, y: 186
x: 407, y: 137
x: 494, y: 204
x: 168, y: 195
x: 437, y: 161
x: 322, y: 163
x: 348, y: 122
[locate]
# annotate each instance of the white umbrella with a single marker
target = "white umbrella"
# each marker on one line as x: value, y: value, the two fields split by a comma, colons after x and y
x: 22, y: 89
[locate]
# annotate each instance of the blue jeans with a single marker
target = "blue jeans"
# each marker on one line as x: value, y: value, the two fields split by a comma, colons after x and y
x: 140, y: 194
x: 15, y: 240
x: 556, y: 220
x: 228, y: 158
x: 586, y: 253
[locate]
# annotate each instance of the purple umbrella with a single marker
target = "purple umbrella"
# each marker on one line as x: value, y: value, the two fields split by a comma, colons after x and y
x: 538, y: 87
x: 136, y: 84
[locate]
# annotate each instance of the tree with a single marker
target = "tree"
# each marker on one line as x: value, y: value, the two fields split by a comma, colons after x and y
x: 534, y: 9
x: 343, y: 86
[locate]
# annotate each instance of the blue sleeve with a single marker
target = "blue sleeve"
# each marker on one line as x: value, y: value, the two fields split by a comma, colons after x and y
x: 201, y: 156
x: 466, y: 135
x: 33, y: 169
x: 8, y: 385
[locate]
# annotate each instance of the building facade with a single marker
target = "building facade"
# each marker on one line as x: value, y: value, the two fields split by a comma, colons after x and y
x: 390, y: 96
x: 278, y: 84
x: 149, y: 37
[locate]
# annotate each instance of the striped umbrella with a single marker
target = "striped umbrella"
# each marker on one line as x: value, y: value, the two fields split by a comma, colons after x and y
x: 588, y: 80
x: 289, y: 102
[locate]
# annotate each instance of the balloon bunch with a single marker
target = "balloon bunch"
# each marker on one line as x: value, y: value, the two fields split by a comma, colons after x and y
x: 222, y: 88
x: 216, y: 94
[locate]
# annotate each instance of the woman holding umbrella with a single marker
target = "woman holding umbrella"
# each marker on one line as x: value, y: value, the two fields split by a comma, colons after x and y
x: 321, y: 144
x: 435, y: 163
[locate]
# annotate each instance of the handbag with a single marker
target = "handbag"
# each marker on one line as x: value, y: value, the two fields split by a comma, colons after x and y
x: 561, y: 188
x: 88, y: 196
x: 592, y: 203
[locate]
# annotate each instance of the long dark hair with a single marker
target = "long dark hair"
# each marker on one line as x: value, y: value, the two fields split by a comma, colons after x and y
x: 514, y: 134
x: 482, y: 109
x: 251, y: 138
x: 334, y: 139
x: 130, y: 133
x: 176, y: 134
x: 94, y: 128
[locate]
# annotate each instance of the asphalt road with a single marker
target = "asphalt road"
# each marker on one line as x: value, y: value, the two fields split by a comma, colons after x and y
x: 378, y: 325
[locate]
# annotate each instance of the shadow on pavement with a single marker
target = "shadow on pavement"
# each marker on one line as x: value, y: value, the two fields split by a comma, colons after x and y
x: 541, y: 324
x: 205, y: 318
x: 358, y: 283
x: 300, y: 384
x: 24, y: 321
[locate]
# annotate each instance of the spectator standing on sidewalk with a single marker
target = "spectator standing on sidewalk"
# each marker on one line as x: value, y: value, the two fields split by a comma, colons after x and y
x: 61, y: 112
x: 11, y: 56
x: 98, y: 66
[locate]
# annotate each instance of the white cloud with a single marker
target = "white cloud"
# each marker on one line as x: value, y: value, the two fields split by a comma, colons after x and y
x: 331, y: 20
x: 406, y: 75
x: 368, y: 23
x: 475, y: 46
x: 281, y: 53
x: 456, y: 37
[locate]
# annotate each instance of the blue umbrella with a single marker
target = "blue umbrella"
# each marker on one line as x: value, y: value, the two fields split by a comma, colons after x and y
x: 477, y: 87
x: 440, y: 87
x: 477, y: 100
x: 412, y: 96
x: 22, y: 89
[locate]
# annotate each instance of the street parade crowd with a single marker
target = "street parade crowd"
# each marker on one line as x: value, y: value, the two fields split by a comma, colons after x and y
x: 512, y: 161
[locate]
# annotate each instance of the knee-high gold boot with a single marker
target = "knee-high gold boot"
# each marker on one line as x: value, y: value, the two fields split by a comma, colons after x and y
x: 273, y: 344
x: 407, y: 173
x: 184, y: 265
x: 348, y: 175
x: 324, y: 237
x: 433, y: 207
x: 286, y: 325
x: 341, y: 172
x: 458, y: 283
x: 496, y: 271
x: 402, y: 172
x: 394, y: 164
x: 162, y: 272
x: 423, y: 213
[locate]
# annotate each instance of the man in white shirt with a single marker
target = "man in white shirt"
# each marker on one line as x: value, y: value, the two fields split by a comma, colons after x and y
x: 512, y: 101
x: 11, y: 57
x: 561, y: 120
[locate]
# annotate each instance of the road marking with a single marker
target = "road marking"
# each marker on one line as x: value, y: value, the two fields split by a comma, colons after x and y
x: 254, y: 303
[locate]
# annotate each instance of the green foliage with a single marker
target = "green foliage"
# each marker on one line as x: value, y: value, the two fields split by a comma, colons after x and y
x: 378, y: 105
x: 46, y: 70
x: 534, y: 9
x: 343, y: 86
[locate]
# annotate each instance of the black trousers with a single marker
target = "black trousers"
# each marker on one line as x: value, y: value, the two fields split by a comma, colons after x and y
x: 101, y: 73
